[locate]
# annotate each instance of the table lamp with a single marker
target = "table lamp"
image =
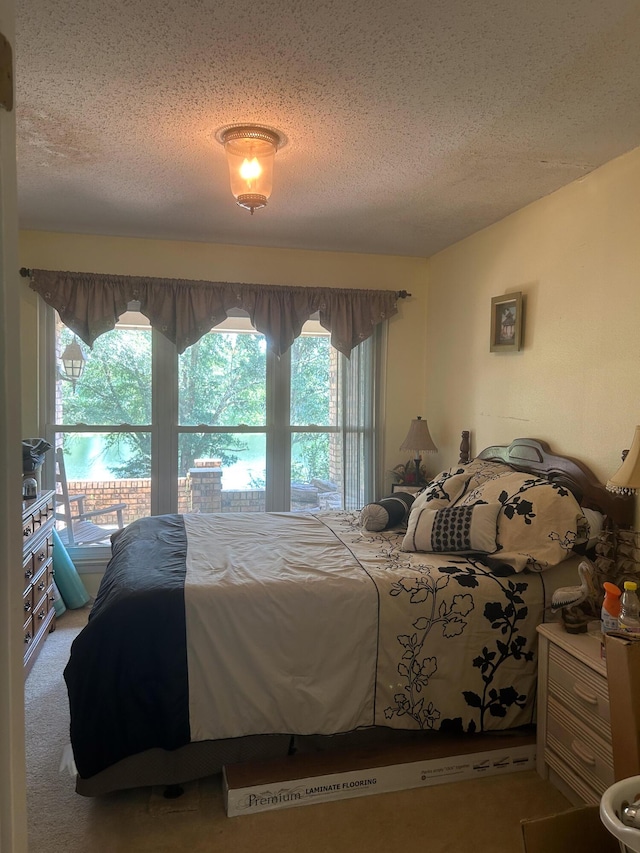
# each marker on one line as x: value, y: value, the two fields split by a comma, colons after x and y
x: 418, y: 441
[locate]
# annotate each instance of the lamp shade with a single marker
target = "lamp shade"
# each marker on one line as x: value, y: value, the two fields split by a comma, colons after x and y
x: 251, y: 152
x: 419, y: 438
x: 626, y: 480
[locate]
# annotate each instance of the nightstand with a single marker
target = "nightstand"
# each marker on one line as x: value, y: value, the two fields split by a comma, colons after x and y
x: 574, y: 736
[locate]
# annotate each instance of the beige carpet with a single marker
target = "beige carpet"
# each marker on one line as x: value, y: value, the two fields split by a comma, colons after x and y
x: 482, y: 816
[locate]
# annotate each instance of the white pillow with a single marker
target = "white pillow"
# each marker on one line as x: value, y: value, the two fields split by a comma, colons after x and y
x: 589, y: 532
x: 466, y: 529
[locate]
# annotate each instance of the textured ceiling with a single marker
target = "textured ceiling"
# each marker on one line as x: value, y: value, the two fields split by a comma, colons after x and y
x: 410, y: 124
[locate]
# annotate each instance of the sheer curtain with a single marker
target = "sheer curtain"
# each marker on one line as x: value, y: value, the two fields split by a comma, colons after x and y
x: 360, y: 396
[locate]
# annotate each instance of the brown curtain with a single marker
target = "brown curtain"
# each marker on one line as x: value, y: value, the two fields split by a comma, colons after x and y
x: 183, y: 310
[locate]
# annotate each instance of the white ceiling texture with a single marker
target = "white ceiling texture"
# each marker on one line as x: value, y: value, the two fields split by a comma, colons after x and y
x: 410, y: 123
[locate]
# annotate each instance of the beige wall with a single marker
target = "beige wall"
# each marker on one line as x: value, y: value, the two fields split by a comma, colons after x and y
x: 406, y: 369
x: 576, y: 384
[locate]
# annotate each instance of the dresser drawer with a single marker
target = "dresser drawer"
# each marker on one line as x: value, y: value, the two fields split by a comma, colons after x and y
x: 42, y: 580
x: 577, y: 785
x: 27, y: 602
x: 40, y: 610
x: 582, y: 690
x: 42, y: 553
x: 589, y: 756
x: 28, y: 633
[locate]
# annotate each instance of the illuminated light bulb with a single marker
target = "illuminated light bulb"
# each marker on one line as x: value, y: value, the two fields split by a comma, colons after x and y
x: 250, y: 169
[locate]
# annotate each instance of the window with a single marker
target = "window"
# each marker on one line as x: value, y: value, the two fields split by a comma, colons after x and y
x: 226, y: 426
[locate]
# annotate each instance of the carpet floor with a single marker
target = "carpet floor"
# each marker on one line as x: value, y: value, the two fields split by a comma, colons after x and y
x: 481, y: 815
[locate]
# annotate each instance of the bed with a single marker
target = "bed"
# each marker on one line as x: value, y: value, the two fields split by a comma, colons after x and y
x: 219, y: 638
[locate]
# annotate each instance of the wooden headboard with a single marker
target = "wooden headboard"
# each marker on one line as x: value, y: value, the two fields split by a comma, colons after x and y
x: 535, y: 457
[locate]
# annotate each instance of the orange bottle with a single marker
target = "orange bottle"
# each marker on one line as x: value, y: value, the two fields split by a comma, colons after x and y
x: 610, y: 607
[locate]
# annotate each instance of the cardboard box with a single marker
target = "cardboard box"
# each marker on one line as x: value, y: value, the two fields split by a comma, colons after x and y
x: 304, y: 779
x: 578, y: 830
x: 623, y: 677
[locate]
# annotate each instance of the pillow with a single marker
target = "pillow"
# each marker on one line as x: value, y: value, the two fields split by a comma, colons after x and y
x: 537, y: 523
x: 470, y: 529
x: 450, y: 485
x: 387, y: 512
x: 590, y: 527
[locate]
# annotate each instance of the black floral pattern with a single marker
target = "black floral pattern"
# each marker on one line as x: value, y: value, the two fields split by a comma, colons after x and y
x: 458, y: 636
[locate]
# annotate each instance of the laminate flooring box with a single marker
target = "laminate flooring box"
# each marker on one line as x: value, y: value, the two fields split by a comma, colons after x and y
x: 336, y: 774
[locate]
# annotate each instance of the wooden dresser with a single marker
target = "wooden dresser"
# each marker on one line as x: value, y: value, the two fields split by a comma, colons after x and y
x: 37, y: 568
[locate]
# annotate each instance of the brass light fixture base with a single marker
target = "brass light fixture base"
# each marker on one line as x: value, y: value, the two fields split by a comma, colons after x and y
x: 251, y: 201
x: 251, y: 131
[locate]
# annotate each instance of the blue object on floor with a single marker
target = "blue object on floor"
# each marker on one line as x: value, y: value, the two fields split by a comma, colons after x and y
x: 58, y: 604
x: 67, y: 579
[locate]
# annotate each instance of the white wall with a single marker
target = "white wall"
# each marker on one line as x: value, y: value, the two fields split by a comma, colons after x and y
x: 576, y: 384
x: 406, y: 368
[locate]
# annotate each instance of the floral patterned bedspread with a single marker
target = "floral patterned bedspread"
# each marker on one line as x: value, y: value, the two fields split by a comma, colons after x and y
x: 456, y: 642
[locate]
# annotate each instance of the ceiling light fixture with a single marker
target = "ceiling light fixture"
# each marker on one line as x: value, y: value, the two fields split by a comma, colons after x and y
x: 251, y: 152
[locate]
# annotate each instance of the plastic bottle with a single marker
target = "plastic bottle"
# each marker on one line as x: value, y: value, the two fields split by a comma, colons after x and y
x: 610, y: 608
x: 629, y: 617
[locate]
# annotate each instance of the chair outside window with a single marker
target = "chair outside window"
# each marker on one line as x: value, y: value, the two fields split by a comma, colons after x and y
x: 79, y: 529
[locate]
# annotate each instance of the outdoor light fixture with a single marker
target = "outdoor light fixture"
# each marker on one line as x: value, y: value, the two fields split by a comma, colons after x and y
x: 251, y: 151
x: 626, y: 480
x: 418, y: 441
x: 73, y: 361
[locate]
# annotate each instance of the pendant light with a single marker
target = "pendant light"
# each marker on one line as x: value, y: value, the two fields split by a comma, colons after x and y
x: 73, y: 361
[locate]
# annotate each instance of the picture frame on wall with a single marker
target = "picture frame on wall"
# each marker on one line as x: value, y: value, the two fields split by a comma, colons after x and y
x: 405, y: 487
x: 506, y: 322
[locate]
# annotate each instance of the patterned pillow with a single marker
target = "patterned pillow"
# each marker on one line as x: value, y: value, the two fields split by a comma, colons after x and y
x: 537, y: 523
x: 386, y: 512
x: 470, y: 529
x: 449, y: 486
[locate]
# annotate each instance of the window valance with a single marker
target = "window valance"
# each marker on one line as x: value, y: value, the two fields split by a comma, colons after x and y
x: 184, y: 310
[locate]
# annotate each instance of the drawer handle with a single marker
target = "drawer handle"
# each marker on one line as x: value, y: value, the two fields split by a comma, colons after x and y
x: 582, y: 753
x: 585, y: 695
x: 26, y: 531
x: 42, y: 585
x: 42, y: 614
x: 41, y: 556
x: 28, y: 574
x: 27, y: 638
x: 27, y: 606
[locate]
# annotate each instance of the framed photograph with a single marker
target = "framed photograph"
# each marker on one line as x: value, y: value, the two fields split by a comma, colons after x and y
x: 403, y: 487
x: 506, y: 322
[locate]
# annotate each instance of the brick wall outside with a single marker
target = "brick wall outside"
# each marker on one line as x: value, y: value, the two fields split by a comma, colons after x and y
x: 200, y: 491
x: 198, y: 496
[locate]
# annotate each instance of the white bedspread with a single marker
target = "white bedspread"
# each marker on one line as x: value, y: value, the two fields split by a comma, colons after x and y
x: 303, y: 624
x: 263, y: 621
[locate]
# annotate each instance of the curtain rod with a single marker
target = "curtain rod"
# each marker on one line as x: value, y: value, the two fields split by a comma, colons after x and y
x: 25, y: 272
